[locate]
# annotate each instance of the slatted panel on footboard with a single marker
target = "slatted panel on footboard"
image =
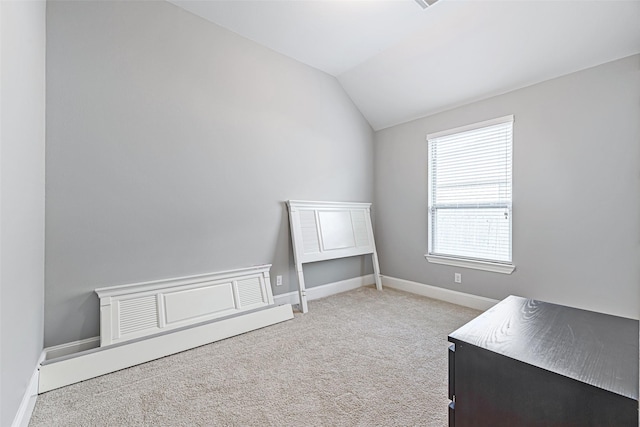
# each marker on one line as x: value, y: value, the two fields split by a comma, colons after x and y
x: 129, y: 312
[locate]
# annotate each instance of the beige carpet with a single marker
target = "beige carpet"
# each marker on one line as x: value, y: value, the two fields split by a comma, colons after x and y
x: 361, y: 358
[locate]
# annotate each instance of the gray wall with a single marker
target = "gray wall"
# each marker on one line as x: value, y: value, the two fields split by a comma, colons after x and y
x: 576, y: 196
x: 22, y: 154
x: 172, y: 145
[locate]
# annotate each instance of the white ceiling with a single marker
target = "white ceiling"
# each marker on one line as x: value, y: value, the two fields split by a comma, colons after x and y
x: 399, y: 62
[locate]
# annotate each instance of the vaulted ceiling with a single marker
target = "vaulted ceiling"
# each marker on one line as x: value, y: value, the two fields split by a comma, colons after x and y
x: 398, y: 61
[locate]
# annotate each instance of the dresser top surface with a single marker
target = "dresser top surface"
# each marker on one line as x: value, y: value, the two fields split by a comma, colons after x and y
x: 594, y: 348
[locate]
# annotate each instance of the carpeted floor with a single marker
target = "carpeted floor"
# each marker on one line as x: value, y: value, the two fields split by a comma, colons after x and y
x: 360, y: 358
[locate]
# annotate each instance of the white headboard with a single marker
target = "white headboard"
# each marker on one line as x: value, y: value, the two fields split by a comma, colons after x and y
x: 328, y: 230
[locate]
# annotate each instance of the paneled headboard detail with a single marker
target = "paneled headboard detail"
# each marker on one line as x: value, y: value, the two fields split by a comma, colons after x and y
x: 138, y: 310
x: 322, y: 231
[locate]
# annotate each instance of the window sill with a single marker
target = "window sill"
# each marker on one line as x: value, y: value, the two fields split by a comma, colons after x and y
x: 494, y: 267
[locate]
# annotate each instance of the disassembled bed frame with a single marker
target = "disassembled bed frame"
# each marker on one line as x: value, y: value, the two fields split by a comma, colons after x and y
x: 322, y: 231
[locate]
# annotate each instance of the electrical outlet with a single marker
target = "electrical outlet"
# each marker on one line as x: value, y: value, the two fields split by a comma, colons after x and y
x: 457, y: 277
x: 278, y: 280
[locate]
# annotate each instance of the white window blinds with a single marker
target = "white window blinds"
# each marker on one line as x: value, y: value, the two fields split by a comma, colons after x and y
x: 470, y: 191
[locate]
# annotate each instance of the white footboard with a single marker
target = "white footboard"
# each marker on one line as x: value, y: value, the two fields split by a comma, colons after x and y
x: 133, y: 311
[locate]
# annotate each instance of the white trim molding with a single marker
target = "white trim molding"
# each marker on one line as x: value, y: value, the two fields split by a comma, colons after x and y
x: 435, y: 292
x: 71, y: 348
x: 472, y: 126
x: 494, y: 267
x: 23, y: 416
x: 329, y: 289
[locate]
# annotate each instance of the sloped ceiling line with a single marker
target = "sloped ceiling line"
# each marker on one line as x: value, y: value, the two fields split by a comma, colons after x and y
x: 399, y: 62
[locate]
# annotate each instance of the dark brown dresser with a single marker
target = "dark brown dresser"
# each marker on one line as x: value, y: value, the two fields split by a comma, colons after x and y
x: 530, y: 363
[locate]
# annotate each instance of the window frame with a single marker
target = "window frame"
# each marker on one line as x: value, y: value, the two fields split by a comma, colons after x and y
x: 460, y: 261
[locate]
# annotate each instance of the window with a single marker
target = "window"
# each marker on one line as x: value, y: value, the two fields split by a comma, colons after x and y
x: 470, y: 209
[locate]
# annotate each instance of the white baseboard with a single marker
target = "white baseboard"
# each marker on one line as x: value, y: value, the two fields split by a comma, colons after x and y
x: 71, y: 348
x: 23, y: 416
x: 71, y: 369
x: 326, y: 290
x: 435, y: 292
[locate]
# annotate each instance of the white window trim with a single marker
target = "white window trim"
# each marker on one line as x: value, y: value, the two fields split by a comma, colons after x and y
x: 495, y: 267
x: 473, y: 126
